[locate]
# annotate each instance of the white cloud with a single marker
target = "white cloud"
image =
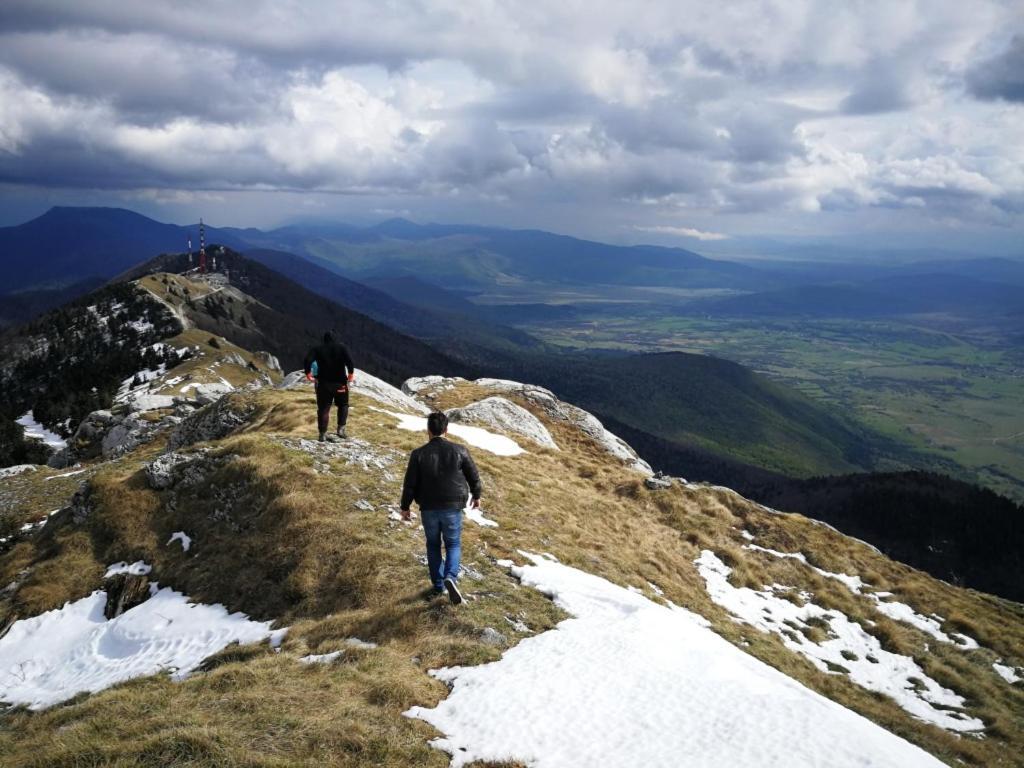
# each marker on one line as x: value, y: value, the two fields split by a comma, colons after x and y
x: 757, y: 108
x: 682, y: 232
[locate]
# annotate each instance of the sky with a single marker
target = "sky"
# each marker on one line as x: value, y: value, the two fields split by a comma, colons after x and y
x: 672, y: 121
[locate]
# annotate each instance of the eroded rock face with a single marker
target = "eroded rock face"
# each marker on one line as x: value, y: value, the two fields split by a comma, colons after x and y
x: 269, y: 362
x: 561, y: 411
x: 210, y: 423
x: 501, y: 415
x: 161, y: 472
x: 127, y: 434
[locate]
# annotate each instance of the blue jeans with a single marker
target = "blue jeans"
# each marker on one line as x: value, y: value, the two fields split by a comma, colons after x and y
x: 442, y: 524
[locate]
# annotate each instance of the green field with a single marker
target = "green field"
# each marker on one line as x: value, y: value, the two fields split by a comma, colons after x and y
x: 952, y: 402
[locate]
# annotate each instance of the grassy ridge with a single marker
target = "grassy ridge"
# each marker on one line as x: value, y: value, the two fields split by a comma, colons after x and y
x: 277, y: 533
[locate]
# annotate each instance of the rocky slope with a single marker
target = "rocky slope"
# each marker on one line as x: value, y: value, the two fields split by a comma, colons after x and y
x: 187, y: 494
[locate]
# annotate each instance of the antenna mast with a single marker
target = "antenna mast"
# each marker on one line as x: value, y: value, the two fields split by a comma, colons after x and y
x: 202, y: 248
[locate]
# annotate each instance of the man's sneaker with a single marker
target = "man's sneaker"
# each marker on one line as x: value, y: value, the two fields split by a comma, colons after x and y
x: 431, y: 592
x: 323, y: 437
x: 342, y: 433
x: 453, y: 591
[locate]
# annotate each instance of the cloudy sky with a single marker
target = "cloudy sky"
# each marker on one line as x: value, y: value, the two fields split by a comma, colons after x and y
x: 667, y: 121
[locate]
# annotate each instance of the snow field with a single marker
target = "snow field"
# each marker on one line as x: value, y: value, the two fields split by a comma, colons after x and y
x: 629, y: 682
x: 848, y: 648
x: 52, y: 657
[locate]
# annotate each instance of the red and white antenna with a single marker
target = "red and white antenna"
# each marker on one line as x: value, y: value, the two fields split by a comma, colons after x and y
x: 202, y: 248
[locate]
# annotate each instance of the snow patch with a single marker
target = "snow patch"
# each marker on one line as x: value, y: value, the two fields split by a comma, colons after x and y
x: 847, y: 647
x: 550, y: 701
x: 138, y: 568
x: 52, y: 657
x: 17, y: 469
x: 184, y: 538
x: 481, y: 438
x: 477, y: 516
x: 66, y: 474
x: 33, y: 429
x: 1009, y: 674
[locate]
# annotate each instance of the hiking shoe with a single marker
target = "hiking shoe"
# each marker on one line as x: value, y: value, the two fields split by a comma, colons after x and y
x: 323, y: 437
x: 432, y: 592
x: 453, y: 591
x: 342, y: 433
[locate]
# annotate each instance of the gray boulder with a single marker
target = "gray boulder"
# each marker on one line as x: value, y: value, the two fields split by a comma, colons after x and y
x: 384, y: 393
x: 160, y: 473
x: 211, y: 422
x: 501, y: 415
x: 294, y: 380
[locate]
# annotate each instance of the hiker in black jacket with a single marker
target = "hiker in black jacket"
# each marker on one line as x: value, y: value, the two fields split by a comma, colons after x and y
x: 335, y: 373
x: 440, y: 477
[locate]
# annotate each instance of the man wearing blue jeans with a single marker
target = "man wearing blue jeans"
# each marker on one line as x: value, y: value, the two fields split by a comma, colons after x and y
x: 440, y: 477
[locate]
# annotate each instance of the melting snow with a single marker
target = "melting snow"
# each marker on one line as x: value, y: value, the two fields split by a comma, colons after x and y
x: 52, y: 657
x: 184, y: 538
x: 1009, y: 674
x: 138, y: 568
x: 627, y: 681
x: 481, y: 438
x: 477, y: 516
x: 322, y: 658
x: 893, y: 609
x: 17, y: 470
x: 848, y: 647
x: 327, y: 658
x: 34, y: 429
x: 67, y: 474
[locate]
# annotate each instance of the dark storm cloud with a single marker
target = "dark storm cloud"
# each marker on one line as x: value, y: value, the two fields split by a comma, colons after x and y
x: 1002, y: 76
x: 755, y: 107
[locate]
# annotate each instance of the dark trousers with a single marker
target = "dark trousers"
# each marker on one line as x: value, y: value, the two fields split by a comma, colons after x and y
x: 328, y: 394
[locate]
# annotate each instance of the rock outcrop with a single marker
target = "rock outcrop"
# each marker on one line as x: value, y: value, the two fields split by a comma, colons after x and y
x: 561, y: 411
x: 210, y: 423
x: 501, y: 415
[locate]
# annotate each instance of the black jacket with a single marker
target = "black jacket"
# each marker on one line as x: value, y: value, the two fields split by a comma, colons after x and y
x: 332, y: 360
x: 441, y: 474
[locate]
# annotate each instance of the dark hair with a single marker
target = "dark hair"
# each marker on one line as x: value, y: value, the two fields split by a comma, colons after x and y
x: 437, y: 423
x: 328, y: 337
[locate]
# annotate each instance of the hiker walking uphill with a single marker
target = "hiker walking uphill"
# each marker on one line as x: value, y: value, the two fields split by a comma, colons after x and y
x: 440, y: 477
x: 335, y: 373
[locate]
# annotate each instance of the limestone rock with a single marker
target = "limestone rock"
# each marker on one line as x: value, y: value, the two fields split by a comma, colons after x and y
x: 658, y: 482
x: 209, y: 423
x: 501, y: 415
x: 418, y: 384
x: 160, y: 473
x: 268, y: 360
x: 561, y: 411
x: 295, y: 380
x: 384, y: 393
x: 491, y: 636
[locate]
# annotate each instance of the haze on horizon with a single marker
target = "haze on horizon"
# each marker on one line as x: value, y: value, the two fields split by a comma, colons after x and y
x: 896, y: 123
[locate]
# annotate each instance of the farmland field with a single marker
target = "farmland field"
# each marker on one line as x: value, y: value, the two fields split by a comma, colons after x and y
x: 951, y: 401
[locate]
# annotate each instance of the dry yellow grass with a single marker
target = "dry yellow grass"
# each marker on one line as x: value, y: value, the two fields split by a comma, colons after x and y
x: 277, y: 535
